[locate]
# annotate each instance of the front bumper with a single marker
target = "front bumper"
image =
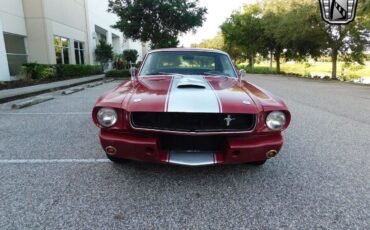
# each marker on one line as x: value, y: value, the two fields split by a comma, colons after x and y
x: 239, y: 149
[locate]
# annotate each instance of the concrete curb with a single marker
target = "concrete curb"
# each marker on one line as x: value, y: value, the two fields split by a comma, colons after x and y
x: 29, y: 93
x: 73, y: 90
x: 109, y: 80
x: 95, y: 84
x: 308, y: 79
x: 32, y: 101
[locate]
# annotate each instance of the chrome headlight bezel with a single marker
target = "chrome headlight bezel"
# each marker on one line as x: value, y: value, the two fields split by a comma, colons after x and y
x: 107, y: 117
x: 276, y: 120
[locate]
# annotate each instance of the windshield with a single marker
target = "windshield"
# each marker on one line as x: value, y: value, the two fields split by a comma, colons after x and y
x: 188, y: 63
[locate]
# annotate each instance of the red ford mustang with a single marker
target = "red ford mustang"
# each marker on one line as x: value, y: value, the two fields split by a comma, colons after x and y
x: 190, y: 107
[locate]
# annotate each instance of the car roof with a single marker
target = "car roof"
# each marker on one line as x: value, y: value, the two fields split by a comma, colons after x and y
x: 187, y: 49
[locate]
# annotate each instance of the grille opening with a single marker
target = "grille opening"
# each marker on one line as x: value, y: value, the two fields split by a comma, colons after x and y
x: 186, y: 143
x: 193, y: 122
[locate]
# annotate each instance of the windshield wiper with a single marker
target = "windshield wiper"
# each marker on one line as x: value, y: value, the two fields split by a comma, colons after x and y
x: 159, y: 73
x: 216, y: 73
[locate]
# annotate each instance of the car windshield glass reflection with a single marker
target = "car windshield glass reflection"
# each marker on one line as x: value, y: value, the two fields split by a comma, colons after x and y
x: 188, y: 63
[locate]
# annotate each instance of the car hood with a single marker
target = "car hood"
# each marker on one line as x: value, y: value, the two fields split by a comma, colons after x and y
x: 191, y: 94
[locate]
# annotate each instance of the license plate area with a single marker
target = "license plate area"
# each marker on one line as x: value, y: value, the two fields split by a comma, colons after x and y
x: 192, y: 143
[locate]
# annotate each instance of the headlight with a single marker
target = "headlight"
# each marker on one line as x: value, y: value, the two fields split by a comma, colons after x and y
x: 276, y: 120
x: 107, y: 117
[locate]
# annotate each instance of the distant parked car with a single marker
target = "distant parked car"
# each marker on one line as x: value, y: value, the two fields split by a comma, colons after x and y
x: 190, y: 107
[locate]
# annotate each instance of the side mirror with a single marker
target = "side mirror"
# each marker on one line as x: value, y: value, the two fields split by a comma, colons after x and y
x: 242, y: 75
x: 133, y: 72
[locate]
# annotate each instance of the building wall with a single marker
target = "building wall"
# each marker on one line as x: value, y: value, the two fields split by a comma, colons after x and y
x: 4, y: 69
x: 38, y: 21
x: 98, y: 16
x: 12, y: 17
x: 100, y: 22
x: 38, y: 47
x: 48, y: 18
x: 12, y: 22
x: 67, y: 19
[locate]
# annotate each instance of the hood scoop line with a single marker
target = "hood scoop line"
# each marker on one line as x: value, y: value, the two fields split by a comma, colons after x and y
x: 186, y: 83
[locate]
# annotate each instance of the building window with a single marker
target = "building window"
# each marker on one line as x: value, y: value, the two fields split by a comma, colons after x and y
x: 15, y: 52
x: 79, y: 52
x: 61, y: 50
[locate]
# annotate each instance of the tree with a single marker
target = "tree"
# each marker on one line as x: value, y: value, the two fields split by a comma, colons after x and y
x: 130, y: 56
x: 302, y: 32
x: 243, y: 29
x: 271, y: 25
x: 157, y: 21
x: 103, y: 52
x: 306, y: 34
x: 363, y: 13
x: 364, y: 7
x: 218, y: 42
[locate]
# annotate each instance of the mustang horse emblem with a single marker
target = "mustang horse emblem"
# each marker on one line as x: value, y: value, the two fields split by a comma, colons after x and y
x: 228, y: 120
x: 338, y: 11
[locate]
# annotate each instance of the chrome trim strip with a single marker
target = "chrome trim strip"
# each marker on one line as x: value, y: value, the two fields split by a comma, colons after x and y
x: 168, y: 94
x: 191, y: 158
x: 188, y: 50
x: 191, y: 82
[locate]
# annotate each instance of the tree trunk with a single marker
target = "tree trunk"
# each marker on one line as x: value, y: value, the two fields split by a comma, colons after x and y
x: 334, y: 59
x: 277, y: 59
x: 252, y: 62
x: 271, y: 59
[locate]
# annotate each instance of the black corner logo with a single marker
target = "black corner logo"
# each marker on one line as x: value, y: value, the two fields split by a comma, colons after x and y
x: 338, y: 12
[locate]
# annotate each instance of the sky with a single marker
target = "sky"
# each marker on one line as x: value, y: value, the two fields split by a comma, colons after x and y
x: 218, y: 12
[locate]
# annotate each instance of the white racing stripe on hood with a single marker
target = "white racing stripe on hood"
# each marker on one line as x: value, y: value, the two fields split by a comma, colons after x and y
x: 192, y: 99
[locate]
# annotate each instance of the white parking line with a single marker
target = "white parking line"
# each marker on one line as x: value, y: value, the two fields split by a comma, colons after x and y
x: 68, y: 113
x: 52, y: 161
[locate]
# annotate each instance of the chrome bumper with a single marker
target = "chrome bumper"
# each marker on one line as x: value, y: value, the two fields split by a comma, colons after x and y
x: 191, y: 158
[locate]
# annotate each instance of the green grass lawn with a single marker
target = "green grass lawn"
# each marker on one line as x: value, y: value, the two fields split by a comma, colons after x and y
x: 304, y: 69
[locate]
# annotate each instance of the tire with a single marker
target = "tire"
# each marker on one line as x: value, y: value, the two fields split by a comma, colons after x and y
x: 117, y: 160
x: 258, y: 163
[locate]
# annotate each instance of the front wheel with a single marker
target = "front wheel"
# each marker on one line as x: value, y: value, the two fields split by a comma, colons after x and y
x: 258, y: 163
x: 117, y: 160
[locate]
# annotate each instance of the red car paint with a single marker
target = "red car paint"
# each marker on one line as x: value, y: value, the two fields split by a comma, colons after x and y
x: 153, y: 93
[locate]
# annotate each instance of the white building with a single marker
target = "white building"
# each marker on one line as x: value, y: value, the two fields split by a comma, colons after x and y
x: 55, y: 31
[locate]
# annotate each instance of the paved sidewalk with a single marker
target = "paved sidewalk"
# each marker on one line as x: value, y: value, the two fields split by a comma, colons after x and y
x: 13, y: 94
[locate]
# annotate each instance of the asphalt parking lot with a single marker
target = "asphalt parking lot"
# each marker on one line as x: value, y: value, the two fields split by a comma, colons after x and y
x: 53, y: 172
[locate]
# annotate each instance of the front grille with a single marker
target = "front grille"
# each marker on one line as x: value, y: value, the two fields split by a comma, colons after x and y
x: 193, y: 122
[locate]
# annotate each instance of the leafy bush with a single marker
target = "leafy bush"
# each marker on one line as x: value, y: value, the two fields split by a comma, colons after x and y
x: 77, y: 70
x: 257, y: 69
x: 104, y: 52
x: 357, y: 67
x: 130, y: 56
x: 118, y: 74
x: 349, y: 78
x: 34, y: 71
